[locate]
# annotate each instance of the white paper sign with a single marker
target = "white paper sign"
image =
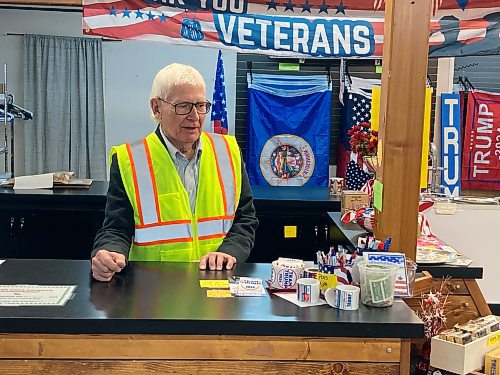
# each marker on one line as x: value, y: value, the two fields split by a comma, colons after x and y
x: 35, y: 295
x: 246, y: 286
x: 39, y: 181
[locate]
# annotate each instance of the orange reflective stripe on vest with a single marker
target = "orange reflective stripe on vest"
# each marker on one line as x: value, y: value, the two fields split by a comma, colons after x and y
x: 151, y: 230
x: 145, y: 186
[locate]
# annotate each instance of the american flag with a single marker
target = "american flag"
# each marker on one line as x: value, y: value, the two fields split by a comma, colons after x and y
x: 355, y: 177
x: 368, y: 188
x: 219, y: 112
x: 356, y: 109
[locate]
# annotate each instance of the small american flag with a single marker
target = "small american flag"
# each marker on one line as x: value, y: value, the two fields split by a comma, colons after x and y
x: 356, y: 109
x: 219, y: 112
x: 355, y: 177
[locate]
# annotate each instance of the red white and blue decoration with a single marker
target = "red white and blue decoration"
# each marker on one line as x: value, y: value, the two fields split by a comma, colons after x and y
x: 219, y: 113
x: 298, y: 28
x: 356, y: 178
x: 356, y: 109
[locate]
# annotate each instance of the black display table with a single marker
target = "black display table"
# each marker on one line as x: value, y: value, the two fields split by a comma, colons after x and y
x: 157, y: 313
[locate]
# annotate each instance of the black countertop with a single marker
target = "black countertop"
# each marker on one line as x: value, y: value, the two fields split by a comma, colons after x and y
x: 294, y: 198
x: 264, y: 196
x: 93, y: 197
x: 155, y: 297
x: 349, y: 233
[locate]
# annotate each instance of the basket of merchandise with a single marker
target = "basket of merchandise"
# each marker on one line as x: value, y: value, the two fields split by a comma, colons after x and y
x: 462, y: 349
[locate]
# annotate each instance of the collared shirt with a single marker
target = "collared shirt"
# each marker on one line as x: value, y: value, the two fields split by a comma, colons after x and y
x: 187, y: 169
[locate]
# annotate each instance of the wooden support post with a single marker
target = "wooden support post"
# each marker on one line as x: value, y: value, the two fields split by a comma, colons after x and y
x: 404, y: 73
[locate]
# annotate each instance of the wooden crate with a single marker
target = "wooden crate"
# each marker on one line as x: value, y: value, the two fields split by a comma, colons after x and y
x: 462, y: 359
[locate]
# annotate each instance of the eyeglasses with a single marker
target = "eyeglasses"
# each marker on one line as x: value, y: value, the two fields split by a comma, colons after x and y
x: 184, y: 108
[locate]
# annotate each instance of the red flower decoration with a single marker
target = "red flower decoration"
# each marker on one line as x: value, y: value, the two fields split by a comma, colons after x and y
x: 363, y: 139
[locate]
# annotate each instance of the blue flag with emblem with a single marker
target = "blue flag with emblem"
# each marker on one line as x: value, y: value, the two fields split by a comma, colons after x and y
x: 288, y: 130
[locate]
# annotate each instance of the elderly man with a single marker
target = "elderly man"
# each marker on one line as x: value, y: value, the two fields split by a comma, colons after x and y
x: 179, y: 194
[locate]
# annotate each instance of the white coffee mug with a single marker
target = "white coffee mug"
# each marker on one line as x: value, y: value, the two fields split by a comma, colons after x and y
x: 343, y: 297
x: 308, y: 290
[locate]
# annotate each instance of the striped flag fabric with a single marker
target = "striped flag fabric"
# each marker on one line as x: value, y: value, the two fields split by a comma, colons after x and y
x: 355, y: 177
x: 218, y: 118
x: 349, y: 28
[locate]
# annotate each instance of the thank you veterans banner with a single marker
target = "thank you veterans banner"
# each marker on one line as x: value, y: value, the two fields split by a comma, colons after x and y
x: 288, y: 130
x: 450, y: 143
x: 315, y: 28
x: 481, y: 150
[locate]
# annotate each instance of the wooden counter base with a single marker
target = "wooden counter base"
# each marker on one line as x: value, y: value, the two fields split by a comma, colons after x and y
x: 145, y: 354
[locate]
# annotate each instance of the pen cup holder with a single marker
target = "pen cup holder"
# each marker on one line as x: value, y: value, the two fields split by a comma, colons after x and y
x: 329, y: 276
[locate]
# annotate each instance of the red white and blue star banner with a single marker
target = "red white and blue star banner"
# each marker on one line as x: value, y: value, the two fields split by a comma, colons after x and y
x: 299, y: 28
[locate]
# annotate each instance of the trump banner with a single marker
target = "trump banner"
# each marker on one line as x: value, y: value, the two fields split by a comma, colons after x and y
x: 450, y: 143
x: 481, y: 147
x: 288, y: 126
x: 298, y: 28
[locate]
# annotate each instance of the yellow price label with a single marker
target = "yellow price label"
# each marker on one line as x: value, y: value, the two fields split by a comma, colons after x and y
x: 494, y: 339
x: 327, y: 280
x: 219, y: 293
x: 214, y: 283
x: 290, y: 231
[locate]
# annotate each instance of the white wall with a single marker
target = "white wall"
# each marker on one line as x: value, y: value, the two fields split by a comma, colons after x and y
x: 472, y: 231
x: 129, y: 69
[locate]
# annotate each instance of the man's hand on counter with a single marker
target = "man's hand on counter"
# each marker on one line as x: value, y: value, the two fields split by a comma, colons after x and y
x: 106, y: 263
x: 216, y: 261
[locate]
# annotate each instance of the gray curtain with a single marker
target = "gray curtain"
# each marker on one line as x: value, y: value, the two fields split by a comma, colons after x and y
x: 63, y: 86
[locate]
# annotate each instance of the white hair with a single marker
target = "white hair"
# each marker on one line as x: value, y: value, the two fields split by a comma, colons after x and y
x: 175, y: 75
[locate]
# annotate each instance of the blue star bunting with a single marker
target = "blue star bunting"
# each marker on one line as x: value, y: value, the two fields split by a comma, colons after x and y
x: 163, y: 18
x: 272, y: 5
x: 323, y: 8
x: 112, y: 11
x: 289, y: 6
x: 151, y: 16
x: 340, y: 8
x: 462, y: 3
x: 138, y: 14
x: 355, y: 176
x: 126, y: 13
x: 306, y: 7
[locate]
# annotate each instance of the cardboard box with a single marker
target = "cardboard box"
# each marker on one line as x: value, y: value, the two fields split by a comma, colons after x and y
x: 462, y: 359
x: 353, y: 200
x: 492, y: 362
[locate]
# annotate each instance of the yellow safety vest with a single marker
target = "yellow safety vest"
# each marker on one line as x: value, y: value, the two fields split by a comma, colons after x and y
x: 165, y: 227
